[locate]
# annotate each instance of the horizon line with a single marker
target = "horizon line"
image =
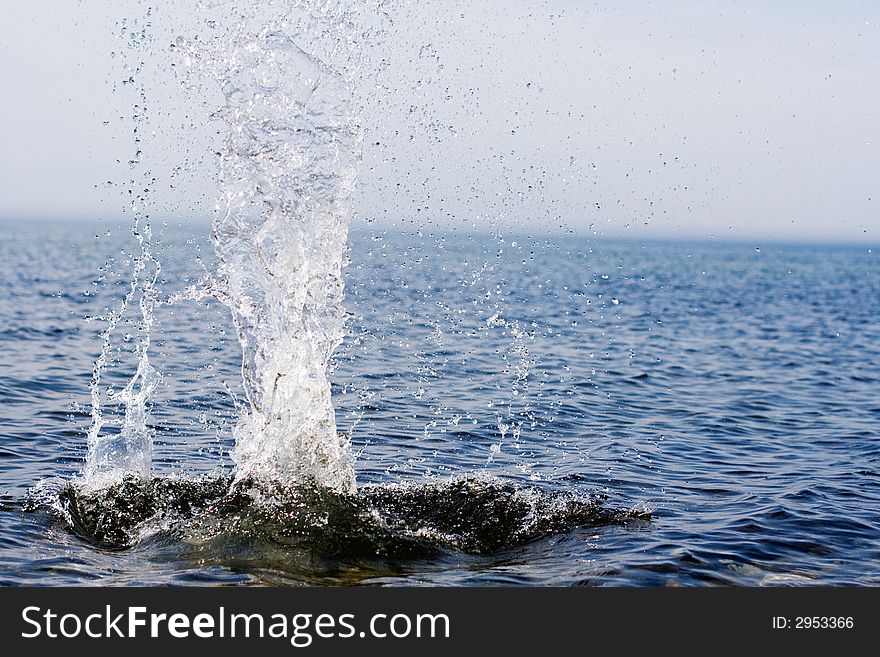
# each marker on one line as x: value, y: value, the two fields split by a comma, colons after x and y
x: 507, y: 231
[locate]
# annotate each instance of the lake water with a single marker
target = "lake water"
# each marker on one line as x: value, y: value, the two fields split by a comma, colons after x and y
x: 523, y: 410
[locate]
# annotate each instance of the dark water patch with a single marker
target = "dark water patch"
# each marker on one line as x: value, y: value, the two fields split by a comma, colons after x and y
x: 470, y: 515
x: 479, y: 516
x: 109, y: 518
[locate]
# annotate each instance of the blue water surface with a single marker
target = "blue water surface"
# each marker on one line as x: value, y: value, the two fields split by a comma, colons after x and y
x: 732, y: 390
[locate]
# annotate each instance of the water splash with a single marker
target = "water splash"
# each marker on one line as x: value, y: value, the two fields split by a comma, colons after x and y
x: 112, y: 455
x: 288, y: 165
x: 123, y: 446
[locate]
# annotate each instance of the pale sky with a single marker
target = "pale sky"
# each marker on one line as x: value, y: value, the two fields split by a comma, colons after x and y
x: 742, y: 120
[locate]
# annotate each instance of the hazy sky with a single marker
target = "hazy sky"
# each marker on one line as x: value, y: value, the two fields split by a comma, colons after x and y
x: 738, y: 119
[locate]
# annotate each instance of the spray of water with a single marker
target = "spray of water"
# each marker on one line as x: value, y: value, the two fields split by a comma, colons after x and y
x: 288, y: 162
x: 118, y: 446
x: 288, y: 165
